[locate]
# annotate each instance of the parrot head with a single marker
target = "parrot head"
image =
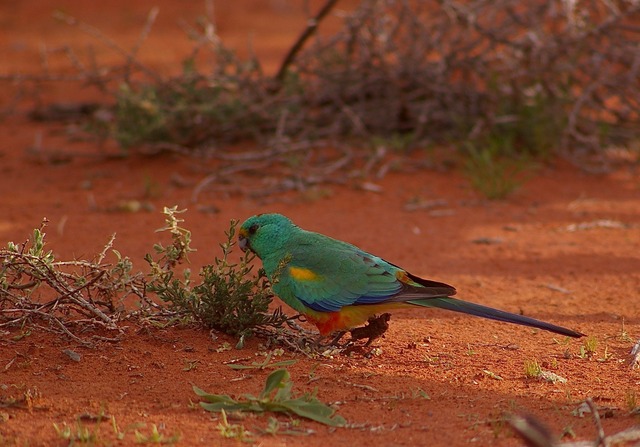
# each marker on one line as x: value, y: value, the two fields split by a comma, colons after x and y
x: 265, y: 233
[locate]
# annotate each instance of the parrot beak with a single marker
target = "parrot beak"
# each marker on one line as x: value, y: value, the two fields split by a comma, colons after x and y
x: 243, y: 243
x: 243, y: 240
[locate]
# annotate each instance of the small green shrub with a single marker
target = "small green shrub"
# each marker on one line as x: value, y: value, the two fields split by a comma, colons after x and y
x: 229, y: 296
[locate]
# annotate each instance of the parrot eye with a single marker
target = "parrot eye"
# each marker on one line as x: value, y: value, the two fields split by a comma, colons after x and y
x: 253, y: 228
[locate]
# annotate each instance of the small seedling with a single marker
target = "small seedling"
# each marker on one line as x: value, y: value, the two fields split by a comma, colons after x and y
x: 116, y: 430
x: 563, y: 341
x: 155, y: 437
x: 583, y: 352
x: 273, y: 427
x: 276, y: 397
x: 532, y: 369
x: 606, y: 355
x: 235, y: 431
x: 76, y: 433
x: 312, y: 373
x: 590, y: 345
x: 420, y: 393
x: 624, y: 335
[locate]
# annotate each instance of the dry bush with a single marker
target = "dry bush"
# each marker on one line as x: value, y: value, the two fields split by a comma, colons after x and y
x: 71, y: 298
x: 537, y: 76
x: 517, y: 77
x: 84, y: 300
x: 545, y: 74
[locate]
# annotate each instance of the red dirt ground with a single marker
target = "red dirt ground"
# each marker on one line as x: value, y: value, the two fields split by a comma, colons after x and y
x: 434, y: 381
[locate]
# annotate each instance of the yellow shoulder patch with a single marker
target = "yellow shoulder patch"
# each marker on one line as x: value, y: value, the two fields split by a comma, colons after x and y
x: 302, y: 274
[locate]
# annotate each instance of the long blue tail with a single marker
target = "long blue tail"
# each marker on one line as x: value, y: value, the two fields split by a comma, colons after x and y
x: 478, y: 310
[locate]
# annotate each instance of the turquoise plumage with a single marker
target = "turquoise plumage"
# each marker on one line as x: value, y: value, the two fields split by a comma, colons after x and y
x: 338, y: 286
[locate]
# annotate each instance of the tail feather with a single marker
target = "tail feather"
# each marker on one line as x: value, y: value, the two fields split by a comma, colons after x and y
x: 479, y: 310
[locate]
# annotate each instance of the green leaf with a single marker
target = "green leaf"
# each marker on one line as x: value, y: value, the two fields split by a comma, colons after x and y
x: 274, y: 381
x: 226, y: 406
x: 284, y: 393
x: 315, y: 410
x: 212, y: 397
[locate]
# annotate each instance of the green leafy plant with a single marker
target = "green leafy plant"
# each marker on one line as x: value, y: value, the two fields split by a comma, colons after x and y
x: 229, y: 297
x: 275, y: 397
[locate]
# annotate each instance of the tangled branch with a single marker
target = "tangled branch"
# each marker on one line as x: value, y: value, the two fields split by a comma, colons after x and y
x: 36, y: 287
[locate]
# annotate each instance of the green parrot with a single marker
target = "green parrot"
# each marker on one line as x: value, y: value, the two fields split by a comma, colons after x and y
x: 338, y: 286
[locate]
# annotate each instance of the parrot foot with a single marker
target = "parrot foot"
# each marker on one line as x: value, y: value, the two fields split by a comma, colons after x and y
x: 335, y: 340
x: 376, y: 326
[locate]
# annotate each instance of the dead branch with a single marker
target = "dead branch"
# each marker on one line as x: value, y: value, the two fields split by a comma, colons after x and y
x: 130, y: 56
x: 312, y: 26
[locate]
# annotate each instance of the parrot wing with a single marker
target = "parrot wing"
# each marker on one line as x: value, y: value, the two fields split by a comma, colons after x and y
x: 326, y: 275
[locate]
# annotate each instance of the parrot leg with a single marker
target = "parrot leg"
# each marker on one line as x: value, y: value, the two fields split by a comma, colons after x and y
x: 376, y: 327
x: 336, y: 339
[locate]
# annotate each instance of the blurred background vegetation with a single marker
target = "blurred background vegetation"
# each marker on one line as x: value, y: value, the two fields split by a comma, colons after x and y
x: 497, y: 85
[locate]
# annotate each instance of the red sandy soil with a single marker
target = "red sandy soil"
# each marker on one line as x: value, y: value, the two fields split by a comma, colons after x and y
x: 434, y: 381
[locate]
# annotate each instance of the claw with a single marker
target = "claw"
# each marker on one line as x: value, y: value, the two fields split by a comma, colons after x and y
x: 375, y: 328
x: 336, y: 339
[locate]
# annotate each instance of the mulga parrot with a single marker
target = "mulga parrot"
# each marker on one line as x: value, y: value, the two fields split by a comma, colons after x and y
x: 338, y: 286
